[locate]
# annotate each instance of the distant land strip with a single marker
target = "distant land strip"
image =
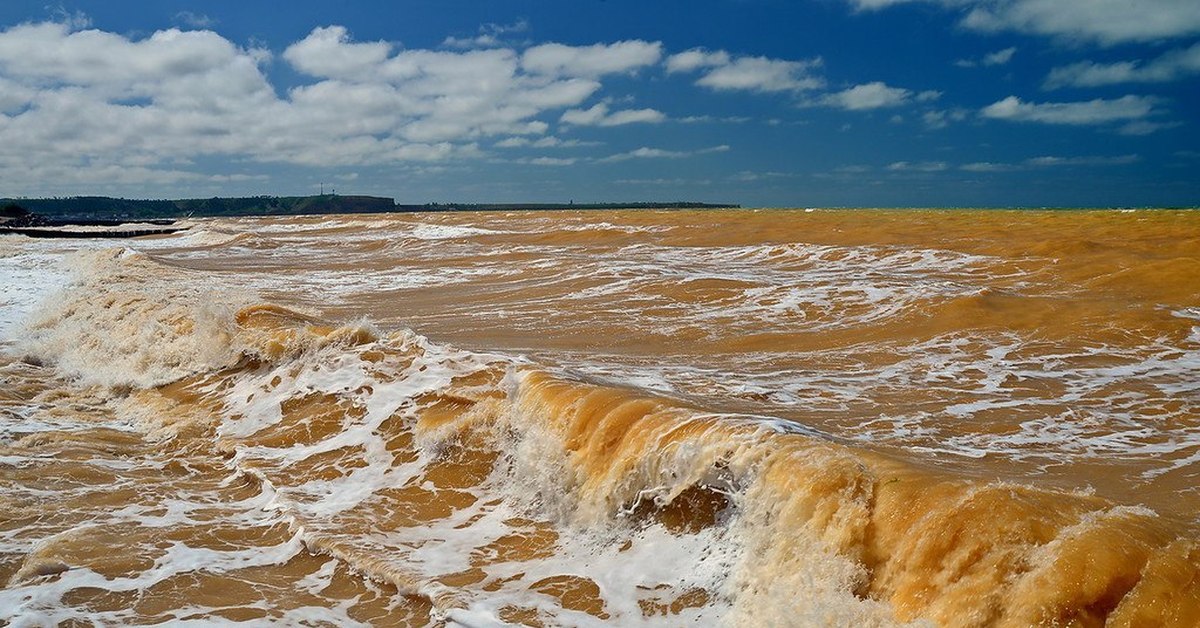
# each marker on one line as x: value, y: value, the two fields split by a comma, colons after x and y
x: 92, y: 208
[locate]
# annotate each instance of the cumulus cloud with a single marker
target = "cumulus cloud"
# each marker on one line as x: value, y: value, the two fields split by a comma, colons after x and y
x: 723, y: 72
x: 1170, y: 66
x: 51, y: 55
x: 1106, y: 22
x: 328, y: 52
x: 599, y: 115
x: 14, y: 96
x: 874, y: 95
x: 100, y: 108
x: 95, y: 106
x: 761, y: 74
x: 1092, y: 112
x: 425, y: 95
x: 591, y: 61
x: 695, y: 59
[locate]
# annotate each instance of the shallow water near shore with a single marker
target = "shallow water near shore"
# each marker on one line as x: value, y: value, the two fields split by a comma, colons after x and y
x: 750, y: 417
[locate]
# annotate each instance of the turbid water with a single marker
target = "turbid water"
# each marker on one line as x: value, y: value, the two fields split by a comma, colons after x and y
x: 868, y: 418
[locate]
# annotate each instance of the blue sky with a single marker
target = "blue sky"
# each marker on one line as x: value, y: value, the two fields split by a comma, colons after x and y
x: 759, y: 102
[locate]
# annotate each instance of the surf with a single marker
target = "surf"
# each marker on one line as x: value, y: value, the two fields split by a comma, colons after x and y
x: 482, y: 487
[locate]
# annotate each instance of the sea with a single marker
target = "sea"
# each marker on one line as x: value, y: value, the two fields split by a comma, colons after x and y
x: 743, y: 417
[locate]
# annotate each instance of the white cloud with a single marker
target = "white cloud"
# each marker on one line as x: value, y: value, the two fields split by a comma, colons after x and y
x: 50, y: 55
x: 1092, y: 112
x: 591, y: 61
x: 667, y: 182
x: 695, y: 59
x: 599, y: 115
x: 72, y: 20
x: 919, y: 166
x: 874, y: 95
x: 724, y: 72
x: 551, y: 161
x: 987, y: 166
x: 548, y: 141
x: 553, y: 142
x: 195, y: 20
x: 328, y: 52
x: 761, y: 74
x: 749, y: 176
x: 659, y: 153
x: 1145, y: 127
x: 512, y: 142
x: 940, y: 119
x: 489, y: 36
x: 1106, y: 22
x: 873, y: 5
x: 479, y: 41
x: 434, y: 96
x: 94, y: 106
x: 14, y: 96
x: 236, y: 177
x: 712, y: 119
x: 1170, y: 66
x: 1052, y: 162
x: 1000, y: 57
x: 1082, y: 161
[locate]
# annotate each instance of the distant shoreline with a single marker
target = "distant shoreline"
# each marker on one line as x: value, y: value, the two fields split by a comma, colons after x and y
x: 83, y: 209
x: 109, y: 211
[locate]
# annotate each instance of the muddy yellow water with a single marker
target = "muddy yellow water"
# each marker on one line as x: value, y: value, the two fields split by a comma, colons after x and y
x: 774, y: 417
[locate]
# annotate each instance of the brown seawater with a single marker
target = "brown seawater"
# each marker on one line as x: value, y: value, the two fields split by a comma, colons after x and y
x: 773, y: 417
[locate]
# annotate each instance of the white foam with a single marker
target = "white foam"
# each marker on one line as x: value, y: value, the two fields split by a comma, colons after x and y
x: 608, y: 226
x: 447, y: 232
x: 35, y: 603
x: 27, y: 279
